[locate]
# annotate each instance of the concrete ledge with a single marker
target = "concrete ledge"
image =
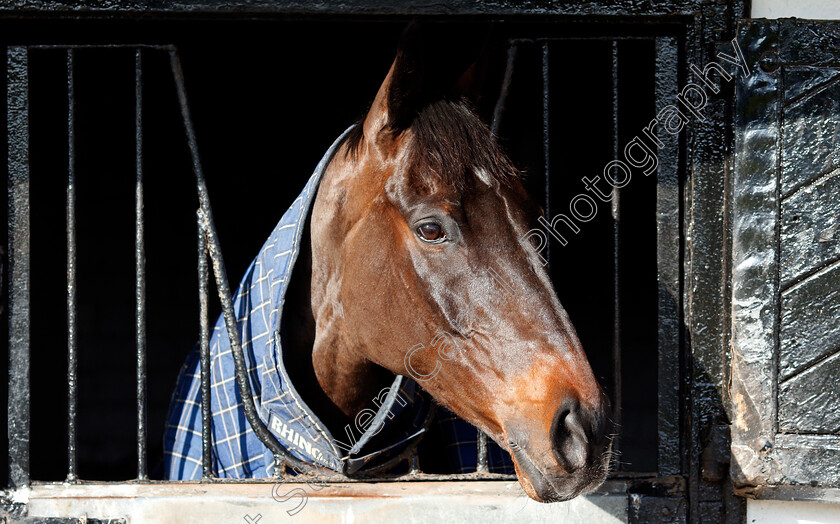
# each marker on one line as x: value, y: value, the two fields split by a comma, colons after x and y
x: 795, y: 512
x: 480, y: 502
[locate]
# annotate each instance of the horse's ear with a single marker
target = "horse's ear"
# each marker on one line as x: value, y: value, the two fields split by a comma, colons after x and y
x: 482, y: 81
x: 430, y: 60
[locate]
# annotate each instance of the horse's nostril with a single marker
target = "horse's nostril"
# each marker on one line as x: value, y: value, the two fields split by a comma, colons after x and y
x: 571, y: 437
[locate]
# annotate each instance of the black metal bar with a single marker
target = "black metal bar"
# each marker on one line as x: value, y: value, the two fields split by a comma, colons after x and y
x: 413, y: 462
x: 204, y: 348
x: 100, y: 46
x: 17, y: 120
x: 546, y: 141
x: 616, y: 216
x: 580, y: 38
x: 667, y: 9
x: 140, y: 268
x: 71, y: 268
x: 14, y: 519
x: 481, y: 462
x: 280, y: 467
x: 668, y: 265
x: 503, y: 93
x: 222, y: 286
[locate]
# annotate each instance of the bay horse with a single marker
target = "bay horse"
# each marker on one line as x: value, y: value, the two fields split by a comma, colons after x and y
x: 417, y: 212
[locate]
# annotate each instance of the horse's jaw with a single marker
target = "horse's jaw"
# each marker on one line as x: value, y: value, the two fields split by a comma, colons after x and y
x: 559, y: 436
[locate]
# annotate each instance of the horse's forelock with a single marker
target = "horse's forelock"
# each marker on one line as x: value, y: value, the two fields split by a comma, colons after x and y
x: 453, y: 144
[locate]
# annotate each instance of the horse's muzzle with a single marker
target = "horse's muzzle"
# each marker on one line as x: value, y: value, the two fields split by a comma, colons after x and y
x: 580, y: 439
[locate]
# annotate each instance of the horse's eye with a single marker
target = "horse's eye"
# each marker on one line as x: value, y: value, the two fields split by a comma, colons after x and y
x: 431, y: 232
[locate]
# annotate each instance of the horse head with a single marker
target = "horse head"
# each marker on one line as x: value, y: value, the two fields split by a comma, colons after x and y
x: 421, y: 266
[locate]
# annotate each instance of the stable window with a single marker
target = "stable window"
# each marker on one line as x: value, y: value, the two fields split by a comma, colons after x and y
x: 102, y: 223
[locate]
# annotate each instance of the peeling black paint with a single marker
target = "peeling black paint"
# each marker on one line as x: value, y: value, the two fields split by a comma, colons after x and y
x: 786, y: 336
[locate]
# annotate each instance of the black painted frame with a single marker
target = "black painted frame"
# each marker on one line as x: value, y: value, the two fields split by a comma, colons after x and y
x: 703, y: 176
x: 771, y: 457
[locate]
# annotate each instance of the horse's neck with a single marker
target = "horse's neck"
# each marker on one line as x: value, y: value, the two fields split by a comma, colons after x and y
x: 350, y: 381
x: 344, y: 382
x: 344, y: 375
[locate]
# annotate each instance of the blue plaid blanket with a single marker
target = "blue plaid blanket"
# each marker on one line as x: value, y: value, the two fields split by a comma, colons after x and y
x: 236, y: 450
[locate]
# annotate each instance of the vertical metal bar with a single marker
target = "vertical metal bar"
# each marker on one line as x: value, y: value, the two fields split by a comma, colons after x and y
x: 17, y: 118
x: 499, y: 108
x: 280, y: 467
x: 413, y: 462
x: 140, y: 268
x: 546, y: 142
x: 222, y: 285
x: 481, y: 463
x: 71, y: 267
x: 204, y: 348
x: 668, y: 265
x: 616, y: 216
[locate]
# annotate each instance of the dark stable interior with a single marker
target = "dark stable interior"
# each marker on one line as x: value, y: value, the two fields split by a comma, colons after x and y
x: 267, y: 98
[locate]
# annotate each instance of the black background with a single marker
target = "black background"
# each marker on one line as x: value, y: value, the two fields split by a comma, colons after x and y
x: 267, y: 98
